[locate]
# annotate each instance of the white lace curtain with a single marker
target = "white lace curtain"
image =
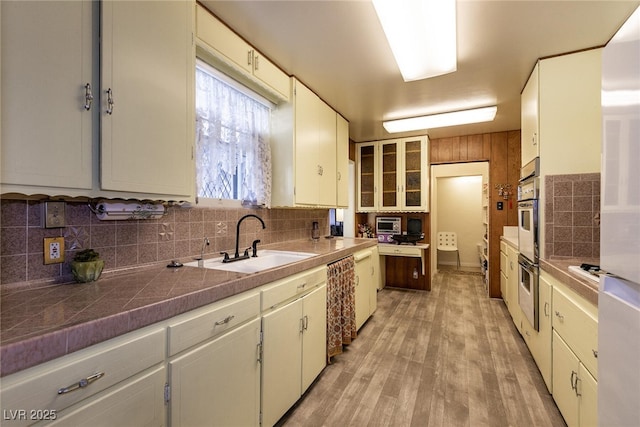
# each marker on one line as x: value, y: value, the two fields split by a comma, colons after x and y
x: 232, y: 143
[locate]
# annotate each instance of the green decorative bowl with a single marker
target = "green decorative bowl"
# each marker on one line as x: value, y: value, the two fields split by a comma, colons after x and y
x: 87, y: 271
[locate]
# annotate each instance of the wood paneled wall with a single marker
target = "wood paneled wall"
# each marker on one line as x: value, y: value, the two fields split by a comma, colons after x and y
x: 502, y: 151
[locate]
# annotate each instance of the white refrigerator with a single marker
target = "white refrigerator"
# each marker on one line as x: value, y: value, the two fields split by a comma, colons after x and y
x: 619, y: 297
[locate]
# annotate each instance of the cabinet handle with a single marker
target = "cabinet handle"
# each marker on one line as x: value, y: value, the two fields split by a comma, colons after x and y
x: 305, y: 322
x: 301, y: 324
x: 88, y: 96
x: 249, y: 57
x: 559, y: 316
x: 302, y: 285
x: 574, y: 374
x: 256, y: 63
x: 578, y: 394
x: 110, y: 102
x: 546, y: 312
x: 82, y: 383
x: 595, y: 353
x: 339, y: 176
x: 534, y: 139
x: 225, y: 320
x: 320, y: 170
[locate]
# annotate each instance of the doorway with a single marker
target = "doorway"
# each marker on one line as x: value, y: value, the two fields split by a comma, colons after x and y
x: 457, y: 206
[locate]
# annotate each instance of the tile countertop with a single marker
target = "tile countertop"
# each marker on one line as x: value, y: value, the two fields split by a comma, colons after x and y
x: 41, y: 324
x: 559, y: 269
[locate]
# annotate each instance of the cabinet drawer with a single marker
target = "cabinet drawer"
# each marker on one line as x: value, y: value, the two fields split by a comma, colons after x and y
x: 409, y: 251
x: 38, y: 388
x: 207, y: 322
x: 286, y: 289
x: 504, y: 263
x: 576, y: 322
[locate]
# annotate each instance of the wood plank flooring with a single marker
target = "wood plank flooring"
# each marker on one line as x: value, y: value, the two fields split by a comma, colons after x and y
x: 449, y: 357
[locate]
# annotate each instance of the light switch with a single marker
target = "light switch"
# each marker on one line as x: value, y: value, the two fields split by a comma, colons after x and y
x: 53, y: 250
x: 53, y: 214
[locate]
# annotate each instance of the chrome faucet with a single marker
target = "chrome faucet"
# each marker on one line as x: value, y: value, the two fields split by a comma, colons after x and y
x: 237, y: 256
x: 205, y: 243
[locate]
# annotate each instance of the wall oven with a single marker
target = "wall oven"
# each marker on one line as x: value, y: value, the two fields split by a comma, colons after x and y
x: 528, y: 274
x: 528, y: 243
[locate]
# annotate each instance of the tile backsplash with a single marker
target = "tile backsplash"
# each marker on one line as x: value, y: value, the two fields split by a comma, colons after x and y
x: 129, y: 243
x: 572, y: 215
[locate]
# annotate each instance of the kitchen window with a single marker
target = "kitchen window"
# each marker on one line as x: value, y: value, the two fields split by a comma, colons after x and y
x: 233, y: 156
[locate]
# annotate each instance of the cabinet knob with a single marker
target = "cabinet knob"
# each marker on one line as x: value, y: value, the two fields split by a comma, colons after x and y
x: 595, y: 353
x: 559, y: 316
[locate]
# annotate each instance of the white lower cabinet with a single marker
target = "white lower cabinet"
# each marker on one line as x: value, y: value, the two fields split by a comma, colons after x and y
x: 366, y: 277
x: 218, y: 383
x: 575, y: 356
x: 116, y: 379
x: 137, y: 402
x: 294, y: 343
x: 574, y: 388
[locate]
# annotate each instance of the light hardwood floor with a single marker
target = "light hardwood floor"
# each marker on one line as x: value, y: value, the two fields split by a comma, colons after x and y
x: 449, y: 357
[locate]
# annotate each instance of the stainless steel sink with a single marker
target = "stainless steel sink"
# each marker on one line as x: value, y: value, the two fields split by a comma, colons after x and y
x: 265, y: 260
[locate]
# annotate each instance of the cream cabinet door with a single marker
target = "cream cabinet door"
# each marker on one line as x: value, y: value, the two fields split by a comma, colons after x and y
x: 137, y: 402
x: 414, y: 186
x: 390, y: 175
x: 47, y: 139
x: 222, y: 39
x: 588, y: 390
x: 542, y: 348
x: 270, y: 75
x: 342, y: 159
x: 512, y: 287
x: 530, y: 148
x: 565, y: 373
x: 147, y: 97
x: 314, y: 338
x: 281, y: 360
x: 364, y: 282
x: 367, y: 177
x: 326, y: 156
x: 218, y: 383
x: 307, y: 167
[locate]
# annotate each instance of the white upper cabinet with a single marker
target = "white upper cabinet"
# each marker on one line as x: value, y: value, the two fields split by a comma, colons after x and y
x: 65, y: 133
x: 46, y: 66
x: 392, y: 175
x: 235, y: 56
x: 529, y: 119
x: 342, y: 161
x: 147, y: 97
x: 305, y: 151
x: 562, y: 114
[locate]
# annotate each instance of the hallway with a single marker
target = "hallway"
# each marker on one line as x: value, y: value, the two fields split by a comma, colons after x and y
x: 449, y: 357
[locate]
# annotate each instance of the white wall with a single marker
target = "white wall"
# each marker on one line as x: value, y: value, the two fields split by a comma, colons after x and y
x: 460, y: 210
x: 448, y: 202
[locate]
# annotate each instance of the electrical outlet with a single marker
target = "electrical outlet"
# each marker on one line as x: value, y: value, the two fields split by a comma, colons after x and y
x: 53, y: 250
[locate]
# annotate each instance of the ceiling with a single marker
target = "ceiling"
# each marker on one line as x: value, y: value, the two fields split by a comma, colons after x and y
x: 338, y: 49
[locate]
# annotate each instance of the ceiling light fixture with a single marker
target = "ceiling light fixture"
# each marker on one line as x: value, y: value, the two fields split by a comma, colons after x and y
x: 421, y: 34
x: 455, y: 118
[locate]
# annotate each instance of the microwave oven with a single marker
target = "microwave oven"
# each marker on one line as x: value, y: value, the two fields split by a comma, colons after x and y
x: 388, y: 225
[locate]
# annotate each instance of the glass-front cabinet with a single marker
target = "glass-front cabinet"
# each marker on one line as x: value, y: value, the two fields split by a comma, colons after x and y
x: 398, y: 168
x: 367, y: 160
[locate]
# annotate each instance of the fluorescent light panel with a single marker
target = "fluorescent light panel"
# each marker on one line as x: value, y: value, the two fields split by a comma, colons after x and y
x: 477, y: 115
x: 421, y: 34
